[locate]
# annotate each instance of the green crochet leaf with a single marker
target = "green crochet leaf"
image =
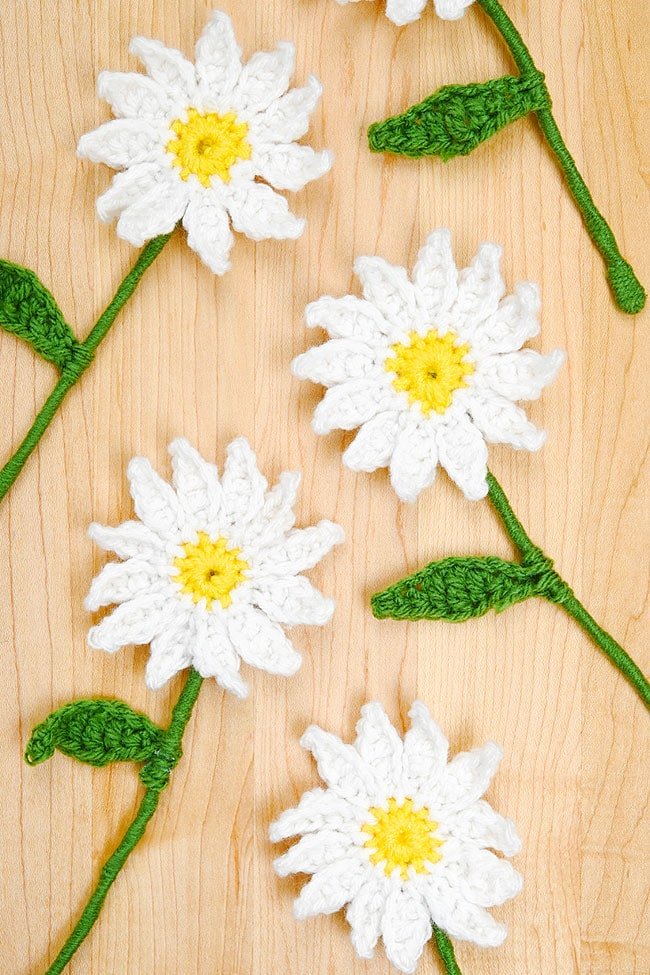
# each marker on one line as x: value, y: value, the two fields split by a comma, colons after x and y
x: 458, y: 589
x: 28, y: 310
x: 457, y: 118
x: 96, y: 732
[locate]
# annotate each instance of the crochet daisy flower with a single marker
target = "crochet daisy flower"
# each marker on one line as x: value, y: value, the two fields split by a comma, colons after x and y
x: 429, y: 369
x: 205, y: 143
x: 212, y: 569
x: 406, y: 11
x: 401, y: 837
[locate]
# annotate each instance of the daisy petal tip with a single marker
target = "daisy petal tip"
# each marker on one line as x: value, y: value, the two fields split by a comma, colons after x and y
x: 493, y: 752
x: 179, y: 447
x: 490, y: 254
x: 310, y: 737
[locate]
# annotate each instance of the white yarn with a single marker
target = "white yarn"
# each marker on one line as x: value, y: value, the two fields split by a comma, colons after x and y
x: 238, y: 507
x: 395, y: 431
x: 406, y: 11
x: 150, y: 196
x: 452, y: 893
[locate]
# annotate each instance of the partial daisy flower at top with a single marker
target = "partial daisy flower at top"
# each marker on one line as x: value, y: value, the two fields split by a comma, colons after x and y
x: 429, y: 368
x: 406, y: 11
x: 211, y: 571
x: 402, y: 837
x: 206, y: 143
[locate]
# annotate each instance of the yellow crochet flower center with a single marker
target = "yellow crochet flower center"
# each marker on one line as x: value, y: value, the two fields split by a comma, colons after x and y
x: 208, y: 145
x: 210, y: 570
x: 430, y: 369
x: 403, y: 837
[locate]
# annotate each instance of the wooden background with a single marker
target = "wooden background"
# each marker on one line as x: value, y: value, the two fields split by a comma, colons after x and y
x: 209, y: 358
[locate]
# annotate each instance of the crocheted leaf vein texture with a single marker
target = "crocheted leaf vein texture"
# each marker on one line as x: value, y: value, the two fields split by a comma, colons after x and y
x: 458, y: 589
x: 457, y: 118
x: 28, y: 310
x: 96, y: 732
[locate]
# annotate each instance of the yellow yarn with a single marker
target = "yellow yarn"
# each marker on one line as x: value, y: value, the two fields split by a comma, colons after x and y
x: 210, y: 570
x: 402, y: 837
x: 430, y: 369
x: 208, y: 145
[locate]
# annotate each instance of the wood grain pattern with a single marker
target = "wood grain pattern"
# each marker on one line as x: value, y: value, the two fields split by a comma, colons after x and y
x: 208, y: 358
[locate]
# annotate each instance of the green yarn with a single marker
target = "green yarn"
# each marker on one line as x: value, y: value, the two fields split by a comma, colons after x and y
x: 155, y: 774
x: 457, y: 589
x: 80, y: 354
x: 446, y: 952
x: 457, y: 118
x: 28, y: 310
x: 96, y: 732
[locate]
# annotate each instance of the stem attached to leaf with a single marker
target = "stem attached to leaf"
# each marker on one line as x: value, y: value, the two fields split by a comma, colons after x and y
x: 627, y: 289
x: 155, y: 774
x: 79, y: 362
x: 446, y: 952
x: 556, y: 590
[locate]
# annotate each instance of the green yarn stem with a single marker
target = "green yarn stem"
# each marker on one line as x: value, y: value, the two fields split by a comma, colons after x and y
x: 446, y: 952
x: 559, y: 592
x: 160, y: 768
x: 78, y: 363
x: 628, y: 292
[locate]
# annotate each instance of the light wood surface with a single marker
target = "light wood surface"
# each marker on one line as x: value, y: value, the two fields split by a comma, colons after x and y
x: 208, y: 358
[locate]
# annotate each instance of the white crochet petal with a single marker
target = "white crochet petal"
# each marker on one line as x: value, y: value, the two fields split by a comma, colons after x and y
x: 302, y: 549
x: 340, y: 765
x: 455, y: 915
x: 479, y: 823
x: 480, y: 289
x: 316, y: 809
x: 314, y: 851
x: 167, y: 66
x: 131, y: 538
x: 374, y: 444
x: 133, y: 95
x: 513, y: 323
x: 330, y: 888
x: 415, y: 458
x: 277, y: 516
x: 128, y: 187
x: 365, y: 912
x: 352, y: 403
x: 501, y: 421
x: 519, y: 375
x: 124, y: 142
x: 218, y: 57
x: 287, y: 118
x: 157, y: 212
x: 405, y: 927
x: 404, y: 12
x: 290, y: 167
x: 487, y: 880
x: 388, y: 287
x: 292, y: 600
x: 213, y: 655
x: 120, y: 581
x: 451, y: 9
x: 466, y: 778
x: 197, y: 485
x: 463, y: 454
x: 425, y: 751
x: 335, y: 362
x: 264, y: 78
x: 436, y: 275
x: 135, y: 622
x: 348, y: 317
x: 379, y: 745
x: 259, y: 212
x: 170, y: 651
x: 208, y: 230
x: 262, y: 643
x: 243, y: 486
x: 155, y: 502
